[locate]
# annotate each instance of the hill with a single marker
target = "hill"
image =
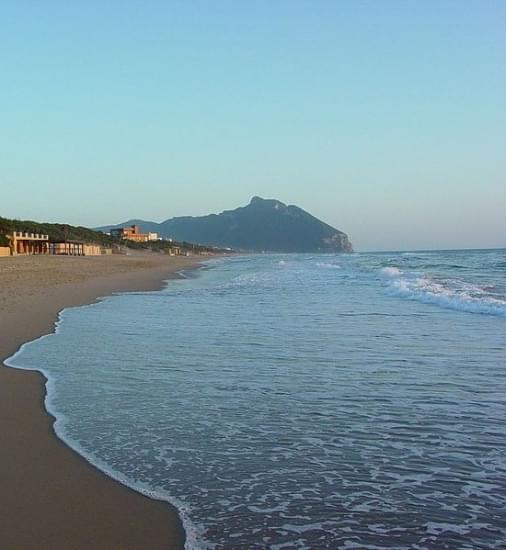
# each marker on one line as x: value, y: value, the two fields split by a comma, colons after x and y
x: 263, y: 225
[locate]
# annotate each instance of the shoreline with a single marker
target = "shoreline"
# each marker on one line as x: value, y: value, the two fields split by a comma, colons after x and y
x: 53, y: 497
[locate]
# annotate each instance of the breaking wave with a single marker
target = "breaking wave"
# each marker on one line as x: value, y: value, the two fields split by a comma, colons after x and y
x: 328, y: 265
x: 447, y: 293
x: 391, y: 272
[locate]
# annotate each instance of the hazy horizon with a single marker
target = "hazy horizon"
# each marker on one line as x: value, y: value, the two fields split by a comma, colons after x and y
x: 385, y: 120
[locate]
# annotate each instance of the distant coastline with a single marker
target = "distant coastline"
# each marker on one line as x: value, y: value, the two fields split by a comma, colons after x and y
x: 263, y: 225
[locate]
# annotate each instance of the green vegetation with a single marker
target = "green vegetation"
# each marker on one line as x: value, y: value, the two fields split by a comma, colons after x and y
x: 166, y: 246
x: 57, y: 232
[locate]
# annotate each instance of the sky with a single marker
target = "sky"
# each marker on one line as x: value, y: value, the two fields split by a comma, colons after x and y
x: 384, y: 118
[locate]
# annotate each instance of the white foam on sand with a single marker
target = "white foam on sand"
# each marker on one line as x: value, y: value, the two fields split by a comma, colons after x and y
x: 193, y: 539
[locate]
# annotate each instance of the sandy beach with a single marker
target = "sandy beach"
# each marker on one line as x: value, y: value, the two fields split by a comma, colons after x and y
x: 51, y: 497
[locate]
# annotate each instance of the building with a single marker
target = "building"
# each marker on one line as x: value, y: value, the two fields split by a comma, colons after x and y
x: 22, y: 242
x: 133, y: 233
x: 174, y: 251
x: 74, y: 248
x: 95, y: 250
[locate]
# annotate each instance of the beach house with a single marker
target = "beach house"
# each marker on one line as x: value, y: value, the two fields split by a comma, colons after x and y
x: 133, y: 233
x: 22, y: 242
x: 26, y: 243
x: 75, y: 248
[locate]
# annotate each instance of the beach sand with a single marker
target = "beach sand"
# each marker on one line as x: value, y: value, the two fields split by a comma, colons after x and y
x: 51, y: 498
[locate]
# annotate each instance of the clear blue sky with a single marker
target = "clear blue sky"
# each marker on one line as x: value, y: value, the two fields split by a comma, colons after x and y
x: 385, y: 118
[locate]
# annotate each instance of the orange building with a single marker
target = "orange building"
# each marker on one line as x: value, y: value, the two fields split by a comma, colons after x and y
x: 22, y: 242
x: 133, y: 233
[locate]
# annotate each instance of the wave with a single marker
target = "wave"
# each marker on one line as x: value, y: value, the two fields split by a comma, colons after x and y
x: 194, y: 533
x: 391, y: 271
x: 447, y: 293
x: 328, y: 265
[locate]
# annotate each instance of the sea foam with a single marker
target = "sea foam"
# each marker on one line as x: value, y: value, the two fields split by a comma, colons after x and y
x: 299, y: 407
x: 447, y: 293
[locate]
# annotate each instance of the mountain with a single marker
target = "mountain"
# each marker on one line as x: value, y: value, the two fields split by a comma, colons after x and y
x: 263, y: 225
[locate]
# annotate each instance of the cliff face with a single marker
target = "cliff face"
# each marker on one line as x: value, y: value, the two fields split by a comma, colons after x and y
x: 263, y: 225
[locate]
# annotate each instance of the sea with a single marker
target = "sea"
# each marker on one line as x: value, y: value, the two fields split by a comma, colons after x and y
x: 299, y: 401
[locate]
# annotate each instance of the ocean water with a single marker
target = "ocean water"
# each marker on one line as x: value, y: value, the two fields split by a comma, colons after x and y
x: 300, y: 401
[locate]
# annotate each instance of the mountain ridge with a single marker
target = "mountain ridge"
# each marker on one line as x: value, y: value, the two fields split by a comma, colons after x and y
x: 264, y: 225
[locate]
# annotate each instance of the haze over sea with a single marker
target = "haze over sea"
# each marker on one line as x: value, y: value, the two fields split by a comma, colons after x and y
x: 300, y: 401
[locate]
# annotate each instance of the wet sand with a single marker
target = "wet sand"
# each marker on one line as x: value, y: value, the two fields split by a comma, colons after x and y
x: 51, y: 498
